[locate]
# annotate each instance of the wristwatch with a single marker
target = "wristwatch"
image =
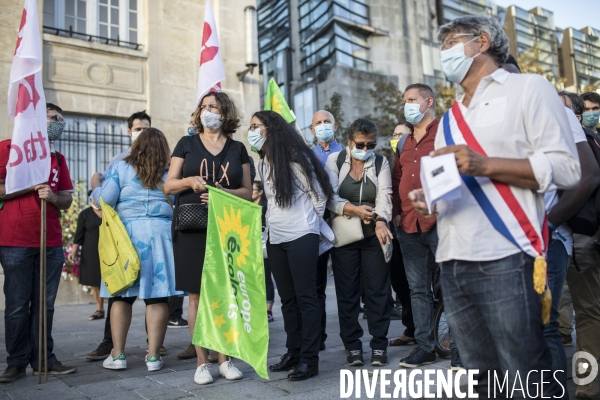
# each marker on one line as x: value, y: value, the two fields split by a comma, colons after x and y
x: 381, y: 219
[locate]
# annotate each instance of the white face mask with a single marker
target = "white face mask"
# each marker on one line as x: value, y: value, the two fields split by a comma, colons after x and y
x: 455, y: 63
x: 211, y: 121
x: 135, y: 135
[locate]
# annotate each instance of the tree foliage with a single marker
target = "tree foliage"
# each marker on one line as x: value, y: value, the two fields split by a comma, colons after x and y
x: 335, y: 108
x: 529, y: 63
x: 445, y: 96
x: 388, y: 107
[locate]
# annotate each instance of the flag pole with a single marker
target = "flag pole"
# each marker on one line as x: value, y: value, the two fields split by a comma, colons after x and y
x: 42, y: 339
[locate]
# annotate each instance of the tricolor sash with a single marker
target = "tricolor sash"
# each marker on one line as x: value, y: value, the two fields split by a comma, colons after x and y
x: 495, y: 198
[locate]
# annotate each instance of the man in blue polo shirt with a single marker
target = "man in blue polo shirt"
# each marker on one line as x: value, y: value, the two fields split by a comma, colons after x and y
x: 324, y: 127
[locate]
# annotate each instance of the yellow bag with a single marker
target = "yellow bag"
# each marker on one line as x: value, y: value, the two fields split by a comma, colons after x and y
x: 119, y: 261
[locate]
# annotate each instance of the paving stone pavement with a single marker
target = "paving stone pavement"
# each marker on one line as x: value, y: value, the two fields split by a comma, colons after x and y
x: 74, y: 336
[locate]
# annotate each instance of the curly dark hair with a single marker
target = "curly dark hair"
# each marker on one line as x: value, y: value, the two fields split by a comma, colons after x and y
x: 285, y: 146
x: 361, y: 126
x: 227, y: 109
x: 149, y: 156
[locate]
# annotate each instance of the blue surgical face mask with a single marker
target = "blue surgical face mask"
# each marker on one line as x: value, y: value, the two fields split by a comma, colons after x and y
x: 455, y: 64
x: 590, y: 118
x: 361, y: 155
x: 412, y: 112
x: 255, y: 139
x: 324, y: 132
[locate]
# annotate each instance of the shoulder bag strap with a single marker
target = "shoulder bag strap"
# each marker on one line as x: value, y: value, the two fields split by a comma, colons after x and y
x: 162, y: 188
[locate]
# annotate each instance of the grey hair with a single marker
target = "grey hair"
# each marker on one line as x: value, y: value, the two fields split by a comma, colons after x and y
x: 477, y: 25
x: 577, y: 105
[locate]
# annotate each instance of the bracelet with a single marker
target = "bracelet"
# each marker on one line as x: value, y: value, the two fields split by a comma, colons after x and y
x: 551, y: 226
x: 381, y: 220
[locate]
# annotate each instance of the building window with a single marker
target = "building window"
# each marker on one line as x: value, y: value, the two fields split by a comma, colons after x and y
x: 113, y: 22
x: 304, y: 108
x: 430, y: 56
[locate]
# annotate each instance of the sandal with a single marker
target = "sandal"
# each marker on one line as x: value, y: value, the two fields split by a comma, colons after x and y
x: 99, y: 314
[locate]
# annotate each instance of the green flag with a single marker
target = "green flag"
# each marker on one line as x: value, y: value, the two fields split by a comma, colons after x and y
x: 231, y: 314
x: 274, y: 101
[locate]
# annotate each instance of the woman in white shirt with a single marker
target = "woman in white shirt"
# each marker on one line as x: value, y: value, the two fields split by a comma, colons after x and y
x: 297, y: 190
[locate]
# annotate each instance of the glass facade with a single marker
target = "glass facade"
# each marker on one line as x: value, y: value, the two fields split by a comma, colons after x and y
x: 274, y: 43
x: 586, y: 55
x: 538, y: 30
x: 459, y: 8
x: 330, y: 33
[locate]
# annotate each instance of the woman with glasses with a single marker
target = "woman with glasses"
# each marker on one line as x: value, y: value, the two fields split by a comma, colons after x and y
x: 297, y: 190
x: 362, y: 186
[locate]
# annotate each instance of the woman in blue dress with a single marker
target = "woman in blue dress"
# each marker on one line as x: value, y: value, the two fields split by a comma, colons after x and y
x: 133, y: 188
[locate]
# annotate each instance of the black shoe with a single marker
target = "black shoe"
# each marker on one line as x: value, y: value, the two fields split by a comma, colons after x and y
x: 12, y: 373
x: 177, y: 323
x: 58, y: 368
x: 378, y: 358
x: 455, y: 362
x: 322, y: 346
x: 417, y: 358
x: 101, y: 352
x: 354, y: 358
x: 396, y: 315
x: 287, y: 362
x: 302, y: 372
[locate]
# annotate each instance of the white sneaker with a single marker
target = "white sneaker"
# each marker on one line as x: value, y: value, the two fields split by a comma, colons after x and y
x: 229, y: 371
x: 202, y: 375
x: 118, y: 362
x: 154, y: 363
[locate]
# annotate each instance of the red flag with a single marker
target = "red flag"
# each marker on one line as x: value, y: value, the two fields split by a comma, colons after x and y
x: 29, y: 160
x: 211, y: 64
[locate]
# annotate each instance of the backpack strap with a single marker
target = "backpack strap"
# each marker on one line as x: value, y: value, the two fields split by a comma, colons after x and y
x: 341, y: 159
x: 58, y: 158
x: 378, y: 163
x: 401, y: 143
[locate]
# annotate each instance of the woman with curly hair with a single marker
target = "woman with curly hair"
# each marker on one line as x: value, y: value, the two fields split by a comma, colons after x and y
x: 297, y: 190
x: 210, y: 158
x: 133, y: 189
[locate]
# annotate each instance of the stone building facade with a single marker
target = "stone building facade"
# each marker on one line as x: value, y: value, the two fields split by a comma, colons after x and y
x: 99, y: 79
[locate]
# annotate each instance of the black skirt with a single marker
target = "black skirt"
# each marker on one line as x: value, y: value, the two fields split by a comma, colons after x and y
x: 87, y: 236
x: 188, y: 251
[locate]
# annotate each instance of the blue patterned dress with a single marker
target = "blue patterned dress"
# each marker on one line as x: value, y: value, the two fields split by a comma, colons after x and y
x: 147, y: 218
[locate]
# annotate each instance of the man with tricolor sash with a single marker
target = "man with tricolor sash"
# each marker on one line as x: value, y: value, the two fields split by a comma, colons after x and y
x: 511, y: 140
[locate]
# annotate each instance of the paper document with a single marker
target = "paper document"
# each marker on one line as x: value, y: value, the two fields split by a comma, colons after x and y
x: 440, y: 179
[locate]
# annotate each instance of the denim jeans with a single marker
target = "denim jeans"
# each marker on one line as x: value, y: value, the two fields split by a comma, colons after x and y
x: 22, y: 290
x: 416, y: 249
x: 495, y: 317
x: 558, y: 262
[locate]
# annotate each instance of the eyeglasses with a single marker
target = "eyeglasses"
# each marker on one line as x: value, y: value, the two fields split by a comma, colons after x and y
x: 360, y: 146
x: 397, y: 135
x: 55, y: 118
x: 452, y: 41
x: 255, y: 126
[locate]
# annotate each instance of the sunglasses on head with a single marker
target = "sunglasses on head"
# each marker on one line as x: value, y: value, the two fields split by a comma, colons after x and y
x: 360, y: 146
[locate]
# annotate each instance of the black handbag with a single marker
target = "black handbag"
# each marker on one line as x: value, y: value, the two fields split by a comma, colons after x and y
x: 194, y: 217
x: 191, y: 217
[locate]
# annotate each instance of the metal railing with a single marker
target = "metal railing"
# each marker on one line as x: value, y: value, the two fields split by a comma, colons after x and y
x: 91, y: 38
x: 90, y: 150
